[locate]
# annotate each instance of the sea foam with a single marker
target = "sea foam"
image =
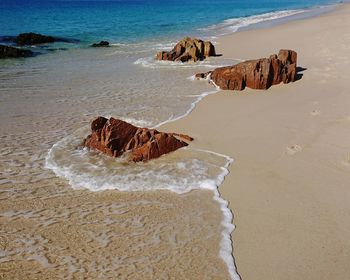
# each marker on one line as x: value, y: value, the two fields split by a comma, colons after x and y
x: 151, y: 62
x: 234, y: 24
x: 180, y: 172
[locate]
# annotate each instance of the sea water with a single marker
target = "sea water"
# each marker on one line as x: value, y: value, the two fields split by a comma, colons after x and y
x: 153, y: 220
x: 133, y: 21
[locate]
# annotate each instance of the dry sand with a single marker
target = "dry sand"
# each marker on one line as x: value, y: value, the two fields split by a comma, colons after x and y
x: 289, y: 187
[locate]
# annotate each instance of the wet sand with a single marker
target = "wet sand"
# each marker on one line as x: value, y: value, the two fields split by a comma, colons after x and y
x: 48, y: 230
x: 289, y: 187
x: 67, y: 234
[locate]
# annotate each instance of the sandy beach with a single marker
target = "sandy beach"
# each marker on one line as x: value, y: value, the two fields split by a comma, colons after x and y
x: 289, y: 185
x: 69, y: 213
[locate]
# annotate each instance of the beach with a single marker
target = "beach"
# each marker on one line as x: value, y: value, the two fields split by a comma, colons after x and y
x: 280, y: 158
x: 289, y: 184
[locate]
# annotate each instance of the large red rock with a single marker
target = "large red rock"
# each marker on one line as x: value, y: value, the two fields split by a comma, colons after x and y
x: 115, y: 137
x: 188, y: 49
x: 256, y: 74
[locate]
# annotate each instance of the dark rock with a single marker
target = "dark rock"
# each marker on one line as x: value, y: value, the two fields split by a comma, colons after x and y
x: 101, y: 44
x: 11, y: 52
x: 200, y: 76
x: 256, y: 74
x: 115, y: 137
x: 33, y: 39
x: 188, y: 49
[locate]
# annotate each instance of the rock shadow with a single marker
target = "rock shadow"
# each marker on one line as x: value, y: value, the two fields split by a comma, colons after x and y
x: 300, y: 73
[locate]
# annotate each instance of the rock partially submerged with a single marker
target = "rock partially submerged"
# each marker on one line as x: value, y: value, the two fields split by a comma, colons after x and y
x: 29, y: 39
x: 115, y: 137
x: 188, y: 49
x: 12, y: 52
x: 33, y: 39
x: 256, y: 74
x: 100, y: 44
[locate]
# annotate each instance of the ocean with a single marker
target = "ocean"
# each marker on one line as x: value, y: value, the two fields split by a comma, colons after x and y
x: 70, y: 213
x: 132, y: 21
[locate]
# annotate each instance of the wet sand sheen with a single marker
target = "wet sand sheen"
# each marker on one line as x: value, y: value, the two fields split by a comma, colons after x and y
x: 51, y: 231
x: 140, y: 235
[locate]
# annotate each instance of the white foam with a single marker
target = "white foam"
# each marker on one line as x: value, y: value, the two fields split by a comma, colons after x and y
x: 136, y: 48
x: 151, y: 62
x: 177, y: 173
x: 193, y: 105
x: 84, y: 169
x: 227, y: 222
x: 234, y: 24
x: 141, y: 123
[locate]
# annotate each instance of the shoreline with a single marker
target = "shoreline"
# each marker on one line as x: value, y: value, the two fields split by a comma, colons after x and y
x: 305, y: 14
x: 284, y: 150
x: 38, y: 185
x: 260, y: 20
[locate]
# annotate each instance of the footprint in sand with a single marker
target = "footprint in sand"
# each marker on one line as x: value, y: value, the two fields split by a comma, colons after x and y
x: 346, y: 161
x: 315, y: 112
x: 293, y: 149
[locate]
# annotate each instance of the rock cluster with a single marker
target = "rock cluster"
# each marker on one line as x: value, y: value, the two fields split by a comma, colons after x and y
x: 188, y: 49
x: 28, y: 39
x: 100, y: 44
x: 115, y: 137
x: 10, y: 52
x: 256, y: 74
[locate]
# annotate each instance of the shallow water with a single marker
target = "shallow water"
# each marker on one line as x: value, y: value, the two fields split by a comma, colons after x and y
x: 50, y: 229
x: 132, y: 21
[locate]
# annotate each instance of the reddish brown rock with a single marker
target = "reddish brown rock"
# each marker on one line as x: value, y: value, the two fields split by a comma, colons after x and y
x: 188, y: 49
x: 256, y: 74
x: 115, y: 137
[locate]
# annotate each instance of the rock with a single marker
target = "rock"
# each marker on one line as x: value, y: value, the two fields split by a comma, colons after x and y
x: 256, y: 74
x: 115, y: 137
x: 33, y: 39
x: 100, y: 44
x: 201, y: 76
x: 11, y: 52
x: 188, y: 49
x: 209, y: 49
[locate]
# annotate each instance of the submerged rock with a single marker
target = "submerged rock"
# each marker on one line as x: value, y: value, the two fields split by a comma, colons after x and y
x: 37, y: 39
x: 33, y: 39
x: 115, y: 137
x: 12, y: 52
x: 256, y: 74
x: 188, y: 49
x: 100, y: 44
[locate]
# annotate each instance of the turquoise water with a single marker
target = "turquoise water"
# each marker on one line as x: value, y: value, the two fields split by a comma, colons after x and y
x: 131, y: 21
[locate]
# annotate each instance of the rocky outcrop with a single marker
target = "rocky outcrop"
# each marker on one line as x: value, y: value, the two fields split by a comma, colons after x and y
x: 33, y: 39
x: 37, y: 39
x: 11, y: 52
x: 100, y: 44
x: 256, y: 74
x: 188, y: 49
x: 115, y: 137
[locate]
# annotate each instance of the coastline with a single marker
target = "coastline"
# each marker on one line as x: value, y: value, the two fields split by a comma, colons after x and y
x: 44, y: 185
x: 288, y: 185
